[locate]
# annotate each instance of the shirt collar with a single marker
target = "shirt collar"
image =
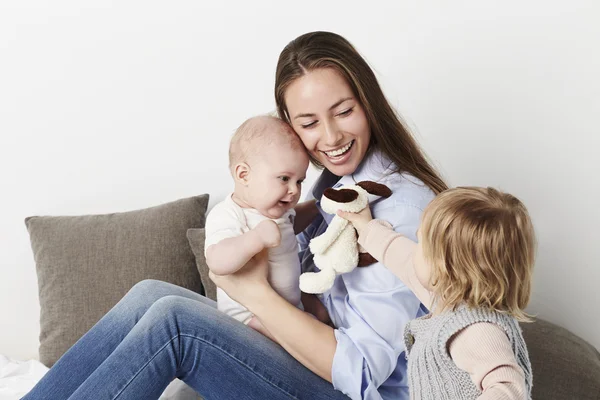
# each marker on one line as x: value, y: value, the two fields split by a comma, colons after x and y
x: 373, y: 168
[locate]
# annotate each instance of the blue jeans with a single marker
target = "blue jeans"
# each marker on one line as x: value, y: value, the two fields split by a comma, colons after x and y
x: 158, y: 332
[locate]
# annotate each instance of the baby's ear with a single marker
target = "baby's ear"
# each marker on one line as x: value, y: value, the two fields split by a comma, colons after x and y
x: 241, y: 172
x: 375, y: 188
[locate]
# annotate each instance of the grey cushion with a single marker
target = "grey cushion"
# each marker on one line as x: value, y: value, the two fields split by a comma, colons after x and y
x: 564, y: 365
x: 196, y: 239
x: 85, y: 264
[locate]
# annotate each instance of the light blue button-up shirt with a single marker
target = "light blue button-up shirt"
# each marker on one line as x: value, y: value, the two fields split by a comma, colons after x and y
x: 370, y: 306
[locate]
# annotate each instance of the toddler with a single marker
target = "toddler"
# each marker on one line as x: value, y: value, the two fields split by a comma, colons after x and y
x: 472, y: 269
x: 268, y: 164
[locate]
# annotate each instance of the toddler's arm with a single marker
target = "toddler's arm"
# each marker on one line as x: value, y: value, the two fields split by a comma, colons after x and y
x: 484, y: 352
x: 396, y: 253
x: 231, y: 254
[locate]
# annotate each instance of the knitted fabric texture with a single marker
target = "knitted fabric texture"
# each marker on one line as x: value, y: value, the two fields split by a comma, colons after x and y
x: 431, y: 372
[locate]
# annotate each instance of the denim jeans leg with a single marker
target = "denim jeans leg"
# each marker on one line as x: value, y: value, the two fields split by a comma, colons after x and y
x: 82, y: 359
x: 216, y: 355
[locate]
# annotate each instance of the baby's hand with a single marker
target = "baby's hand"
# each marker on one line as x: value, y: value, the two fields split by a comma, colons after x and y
x: 359, y: 220
x: 269, y: 233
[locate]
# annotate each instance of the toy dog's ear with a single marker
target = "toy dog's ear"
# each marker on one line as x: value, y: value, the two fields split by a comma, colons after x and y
x: 341, y: 196
x: 375, y: 188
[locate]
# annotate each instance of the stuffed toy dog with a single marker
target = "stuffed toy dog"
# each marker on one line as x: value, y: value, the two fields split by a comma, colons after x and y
x: 336, y: 251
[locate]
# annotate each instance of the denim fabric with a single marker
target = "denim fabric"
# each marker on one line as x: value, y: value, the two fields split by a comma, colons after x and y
x: 160, y: 331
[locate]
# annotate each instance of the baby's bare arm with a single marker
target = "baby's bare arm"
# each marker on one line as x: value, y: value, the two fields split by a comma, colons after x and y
x: 231, y: 254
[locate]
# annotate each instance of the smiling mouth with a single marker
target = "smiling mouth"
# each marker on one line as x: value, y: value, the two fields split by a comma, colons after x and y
x: 339, y: 152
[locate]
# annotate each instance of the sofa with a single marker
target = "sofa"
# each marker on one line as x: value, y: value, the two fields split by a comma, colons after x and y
x: 85, y: 264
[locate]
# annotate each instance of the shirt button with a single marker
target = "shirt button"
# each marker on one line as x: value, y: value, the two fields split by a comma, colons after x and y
x: 411, y: 339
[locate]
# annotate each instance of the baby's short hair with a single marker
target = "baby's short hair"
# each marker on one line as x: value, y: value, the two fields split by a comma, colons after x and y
x: 257, y: 132
x: 481, y: 245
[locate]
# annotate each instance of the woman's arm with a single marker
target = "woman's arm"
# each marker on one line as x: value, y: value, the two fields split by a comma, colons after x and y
x: 305, y: 214
x: 308, y: 340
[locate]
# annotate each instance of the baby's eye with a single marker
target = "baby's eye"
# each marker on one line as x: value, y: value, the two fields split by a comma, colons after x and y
x: 300, y: 181
x: 284, y: 178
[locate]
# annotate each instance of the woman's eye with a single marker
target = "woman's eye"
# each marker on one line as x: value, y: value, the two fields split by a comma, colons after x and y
x: 309, y: 125
x: 346, y: 112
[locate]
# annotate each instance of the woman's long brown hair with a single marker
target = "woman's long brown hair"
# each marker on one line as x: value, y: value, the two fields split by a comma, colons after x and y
x: 328, y: 50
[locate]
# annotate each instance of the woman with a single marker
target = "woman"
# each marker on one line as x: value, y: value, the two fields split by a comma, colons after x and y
x: 158, y: 331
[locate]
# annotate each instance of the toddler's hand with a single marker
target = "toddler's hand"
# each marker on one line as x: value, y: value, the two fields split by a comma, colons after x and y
x: 269, y: 233
x: 359, y: 220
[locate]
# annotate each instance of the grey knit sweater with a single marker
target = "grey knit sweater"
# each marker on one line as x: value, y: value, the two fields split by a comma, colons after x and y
x: 431, y: 372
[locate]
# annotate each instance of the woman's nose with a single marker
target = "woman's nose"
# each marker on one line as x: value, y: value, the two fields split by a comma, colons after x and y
x: 331, y: 134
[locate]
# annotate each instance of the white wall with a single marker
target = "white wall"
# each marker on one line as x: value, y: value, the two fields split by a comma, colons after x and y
x: 112, y: 106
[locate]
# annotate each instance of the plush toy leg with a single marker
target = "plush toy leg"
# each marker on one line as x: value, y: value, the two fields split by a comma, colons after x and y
x: 343, y: 255
x: 317, y: 282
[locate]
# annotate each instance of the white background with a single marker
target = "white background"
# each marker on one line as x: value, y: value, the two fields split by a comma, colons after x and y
x: 111, y: 106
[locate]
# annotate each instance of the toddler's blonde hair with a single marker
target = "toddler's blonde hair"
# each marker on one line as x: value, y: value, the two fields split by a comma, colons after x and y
x: 481, y: 245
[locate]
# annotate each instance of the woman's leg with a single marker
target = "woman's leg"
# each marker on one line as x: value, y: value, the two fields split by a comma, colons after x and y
x: 218, y: 356
x: 82, y: 359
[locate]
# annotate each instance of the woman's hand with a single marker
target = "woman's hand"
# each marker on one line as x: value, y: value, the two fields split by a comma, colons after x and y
x: 248, y: 281
x: 359, y: 220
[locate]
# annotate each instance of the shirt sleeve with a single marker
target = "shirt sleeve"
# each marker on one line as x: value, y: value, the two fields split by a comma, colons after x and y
x: 371, y: 346
x: 484, y: 352
x: 396, y: 252
x: 221, y: 223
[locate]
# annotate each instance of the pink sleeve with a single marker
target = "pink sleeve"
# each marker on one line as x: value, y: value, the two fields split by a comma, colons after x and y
x: 395, y: 252
x: 484, y: 352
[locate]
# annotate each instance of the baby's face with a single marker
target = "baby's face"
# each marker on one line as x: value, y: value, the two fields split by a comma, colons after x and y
x: 275, y: 179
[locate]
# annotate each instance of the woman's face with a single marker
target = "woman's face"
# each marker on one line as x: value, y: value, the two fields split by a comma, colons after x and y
x: 329, y: 119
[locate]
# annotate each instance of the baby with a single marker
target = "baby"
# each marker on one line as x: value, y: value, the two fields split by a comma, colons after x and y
x: 268, y: 163
x: 472, y: 268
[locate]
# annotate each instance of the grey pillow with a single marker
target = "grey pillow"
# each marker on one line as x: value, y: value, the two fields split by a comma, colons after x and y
x: 85, y: 264
x: 196, y: 239
x: 564, y: 365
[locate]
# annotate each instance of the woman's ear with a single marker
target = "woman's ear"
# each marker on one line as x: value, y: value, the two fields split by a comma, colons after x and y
x: 241, y: 173
x: 375, y: 188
